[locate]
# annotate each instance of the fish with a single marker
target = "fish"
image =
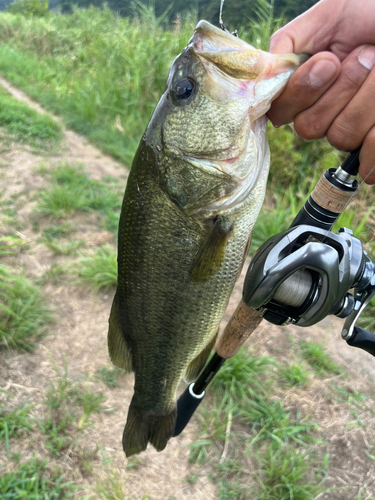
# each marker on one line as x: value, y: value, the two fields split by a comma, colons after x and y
x: 194, y: 192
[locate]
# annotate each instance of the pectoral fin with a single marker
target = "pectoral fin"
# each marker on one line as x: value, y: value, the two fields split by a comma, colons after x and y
x: 211, y: 254
x: 118, y: 350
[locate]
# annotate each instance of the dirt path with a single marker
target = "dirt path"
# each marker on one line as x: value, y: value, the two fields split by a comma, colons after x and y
x: 79, y: 340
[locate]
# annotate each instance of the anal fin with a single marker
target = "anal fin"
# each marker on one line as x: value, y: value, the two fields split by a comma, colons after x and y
x: 119, y: 351
x: 196, y: 366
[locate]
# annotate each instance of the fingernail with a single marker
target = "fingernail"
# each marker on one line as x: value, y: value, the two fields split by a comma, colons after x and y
x: 322, y: 72
x: 367, y: 57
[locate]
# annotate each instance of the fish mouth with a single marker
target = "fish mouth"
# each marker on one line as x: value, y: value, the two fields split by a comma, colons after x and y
x: 235, y: 57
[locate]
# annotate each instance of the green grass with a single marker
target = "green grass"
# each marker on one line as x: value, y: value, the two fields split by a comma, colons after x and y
x: 293, y: 375
x: 72, y: 190
x: 109, y: 375
x: 287, y: 474
x: 245, y: 417
x: 67, y: 248
x: 69, y: 409
x: 13, y: 421
x: 98, y: 270
x: 26, y: 125
x: 321, y: 362
x: 24, y: 313
x: 34, y: 481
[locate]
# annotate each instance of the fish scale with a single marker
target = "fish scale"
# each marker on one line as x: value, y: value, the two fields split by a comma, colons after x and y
x: 194, y: 192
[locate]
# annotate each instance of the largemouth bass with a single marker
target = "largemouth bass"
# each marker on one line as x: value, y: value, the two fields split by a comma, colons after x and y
x: 193, y: 195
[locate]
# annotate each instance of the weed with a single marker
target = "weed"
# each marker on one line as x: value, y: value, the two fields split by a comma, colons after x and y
x: 242, y: 372
x: 59, y: 230
x: 54, y: 274
x: 70, y: 407
x: 90, y: 402
x: 58, y: 431
x: 72, y: 191
x: 32, y: 480
x: 23, y: 313
x: 287, y: 473
x: 100, y: 269
x: 13, y: 421
x: 9, y: 245
x: 192, y: 478
x: 109, y: 375
x: 68, y: 248
x: 113, y: 488
x: 355, y: 400
x: 293, y: 375
x: 269, y: 419
x: 318, y: 359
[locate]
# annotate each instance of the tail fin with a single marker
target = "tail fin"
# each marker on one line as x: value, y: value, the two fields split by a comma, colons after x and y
x: 141, y: 429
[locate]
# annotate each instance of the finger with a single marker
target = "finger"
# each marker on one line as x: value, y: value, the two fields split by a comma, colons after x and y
x: 305, y: 87
x: 367, y: 158
x: 357, y: 118
x: 315, y: 122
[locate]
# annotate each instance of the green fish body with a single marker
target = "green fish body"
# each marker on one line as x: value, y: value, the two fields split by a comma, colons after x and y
x: 193, y: 195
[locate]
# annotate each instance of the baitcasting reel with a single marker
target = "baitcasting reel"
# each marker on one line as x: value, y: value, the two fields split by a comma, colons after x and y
x: 306, y: 273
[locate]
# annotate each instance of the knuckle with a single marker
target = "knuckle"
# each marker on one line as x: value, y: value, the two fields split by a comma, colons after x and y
x: 307, y: 127
x: 351, y: 78
x: 341, y: 135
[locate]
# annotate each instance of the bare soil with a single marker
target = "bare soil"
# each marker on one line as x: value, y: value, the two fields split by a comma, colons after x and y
x: 78, y: 338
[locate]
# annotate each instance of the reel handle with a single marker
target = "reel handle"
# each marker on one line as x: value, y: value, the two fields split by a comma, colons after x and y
x: 363, y: 340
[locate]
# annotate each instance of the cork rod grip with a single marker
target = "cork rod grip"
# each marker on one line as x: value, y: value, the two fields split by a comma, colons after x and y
x: 330, y: 197
x: 239, y: 328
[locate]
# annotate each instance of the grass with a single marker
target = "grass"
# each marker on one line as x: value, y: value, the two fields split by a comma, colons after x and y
x: 24, y: 313
x: 84, y: 67
x: 98, y: 270
x: 69, y: 409
x: 318, y: 359
x: 34, y: 480
x: 13, y: 421
x: 112, y: 487
x: 71, y: 191
x: 25, y: 125
x: 293, y: 375
x: 247, y: 427
x: 68, y: 248
x: 287, y: 474
x: 109, y: 376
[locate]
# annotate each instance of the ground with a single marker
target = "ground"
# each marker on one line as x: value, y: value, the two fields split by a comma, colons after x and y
x: 77, y: 340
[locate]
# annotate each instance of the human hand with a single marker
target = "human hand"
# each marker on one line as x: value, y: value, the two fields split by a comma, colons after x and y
x: 333, y: 93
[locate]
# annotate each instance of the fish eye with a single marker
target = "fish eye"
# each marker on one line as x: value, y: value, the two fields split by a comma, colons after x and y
x: 183, y: 90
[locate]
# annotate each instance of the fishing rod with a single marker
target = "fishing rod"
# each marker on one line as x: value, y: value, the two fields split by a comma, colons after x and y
x: 299, y: 277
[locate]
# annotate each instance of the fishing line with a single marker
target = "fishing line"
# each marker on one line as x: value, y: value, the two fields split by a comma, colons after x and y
x: 221, y: 20
x: 221, y: 16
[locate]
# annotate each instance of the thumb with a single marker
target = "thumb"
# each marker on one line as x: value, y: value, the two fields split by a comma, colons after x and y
x: 309, y: 33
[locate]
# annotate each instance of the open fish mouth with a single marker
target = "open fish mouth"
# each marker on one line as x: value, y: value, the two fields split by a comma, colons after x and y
x: 237, y: 58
